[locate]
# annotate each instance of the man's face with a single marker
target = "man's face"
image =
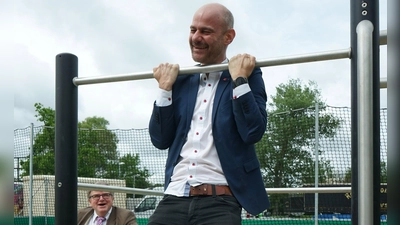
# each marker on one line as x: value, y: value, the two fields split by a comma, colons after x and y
x: 101, y: 202
x: 208, y: 38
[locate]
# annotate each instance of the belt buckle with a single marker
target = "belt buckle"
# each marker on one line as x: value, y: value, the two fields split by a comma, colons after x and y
x: 204, y: 189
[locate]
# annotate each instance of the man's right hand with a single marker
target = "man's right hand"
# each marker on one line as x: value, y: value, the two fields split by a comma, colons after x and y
x: 166, y: 75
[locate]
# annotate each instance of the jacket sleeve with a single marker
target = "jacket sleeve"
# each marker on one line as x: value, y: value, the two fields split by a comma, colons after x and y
x: 162, y: 126
x: 121, y: 216
x: 130, y: 218
x: 250, y: 110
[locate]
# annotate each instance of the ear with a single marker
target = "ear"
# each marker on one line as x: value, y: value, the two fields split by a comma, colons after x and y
x: 229, y: 36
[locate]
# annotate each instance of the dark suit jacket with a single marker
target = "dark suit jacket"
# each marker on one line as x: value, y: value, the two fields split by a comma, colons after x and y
x: 237, y: 124
x: 118, y: 216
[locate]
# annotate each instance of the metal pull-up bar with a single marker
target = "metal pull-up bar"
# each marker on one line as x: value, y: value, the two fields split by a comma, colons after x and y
x: 313, y: 57
x: 304, y: 58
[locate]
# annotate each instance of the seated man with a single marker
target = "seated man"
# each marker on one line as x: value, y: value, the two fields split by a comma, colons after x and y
x: 102, y: 211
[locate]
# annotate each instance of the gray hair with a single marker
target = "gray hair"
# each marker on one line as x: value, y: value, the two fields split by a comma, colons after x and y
x: 100, y: 183
x: 228, y: 18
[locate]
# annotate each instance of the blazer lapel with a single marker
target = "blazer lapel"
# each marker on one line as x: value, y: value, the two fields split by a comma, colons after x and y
x: 113, y: 217
x: 86, y: 217
x: 223, y: 83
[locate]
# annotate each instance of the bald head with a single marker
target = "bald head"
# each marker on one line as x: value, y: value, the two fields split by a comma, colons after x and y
x: 217, y: 12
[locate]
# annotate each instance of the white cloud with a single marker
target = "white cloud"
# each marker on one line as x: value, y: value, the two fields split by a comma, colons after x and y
x: 114, y: 37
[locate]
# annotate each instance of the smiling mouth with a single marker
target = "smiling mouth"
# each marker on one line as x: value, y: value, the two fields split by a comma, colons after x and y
x: 199, y: 47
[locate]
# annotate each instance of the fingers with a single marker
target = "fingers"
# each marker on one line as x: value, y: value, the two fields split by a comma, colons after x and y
x: 241, y: 65
x: 166, y: 67
x: 166, y: 74
x: 245, y: 60
x: 244, y: 56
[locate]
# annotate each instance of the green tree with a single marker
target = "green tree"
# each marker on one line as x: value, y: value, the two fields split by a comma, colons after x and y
x: 286, y: 152
x: 43, y: 147
x: 347, y: 176
x: 97, y: 150
x: 383, y: 178
x: 130, y: 171
x: 383, y: 172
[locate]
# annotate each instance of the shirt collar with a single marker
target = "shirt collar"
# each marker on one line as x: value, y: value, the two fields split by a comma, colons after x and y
x: 218, y: 73
x: 95, y: 215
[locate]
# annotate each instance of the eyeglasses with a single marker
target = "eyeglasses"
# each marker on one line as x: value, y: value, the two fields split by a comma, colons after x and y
x: 105, y: 196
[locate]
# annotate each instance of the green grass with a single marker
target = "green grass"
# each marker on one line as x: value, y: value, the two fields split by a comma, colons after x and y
x: 41, y: 220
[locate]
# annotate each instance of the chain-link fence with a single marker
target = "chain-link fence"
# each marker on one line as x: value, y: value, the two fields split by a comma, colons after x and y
x: 288, y: 154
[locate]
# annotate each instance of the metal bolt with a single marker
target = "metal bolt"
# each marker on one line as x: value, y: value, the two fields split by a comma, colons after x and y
x: 364, y: 12
x: 59, y: 184
x: 364, y: 4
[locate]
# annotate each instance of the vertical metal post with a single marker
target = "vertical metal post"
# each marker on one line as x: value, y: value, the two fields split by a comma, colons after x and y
x: 316, y: 160
x: 134, y: 180
x: 18, y: 169
x: 66, y: 141
x: 365, y: 122
x: 46, y: 202
x: 365, y: 106
x: 393, y: 112
x: 31, y: 177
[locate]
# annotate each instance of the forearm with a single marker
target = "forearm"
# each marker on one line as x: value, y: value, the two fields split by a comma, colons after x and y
x: 250, y: 110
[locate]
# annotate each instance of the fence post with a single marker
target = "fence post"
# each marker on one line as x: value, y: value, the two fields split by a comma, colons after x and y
x: 31, y: 177
x: 46, y: 196
x: 316, y: 160
x: 66, y: 140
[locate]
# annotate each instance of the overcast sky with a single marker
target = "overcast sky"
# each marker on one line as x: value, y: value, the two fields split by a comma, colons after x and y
x: 128, y: 36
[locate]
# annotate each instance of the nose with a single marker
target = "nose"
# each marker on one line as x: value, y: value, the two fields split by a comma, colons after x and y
x: 195, y: 36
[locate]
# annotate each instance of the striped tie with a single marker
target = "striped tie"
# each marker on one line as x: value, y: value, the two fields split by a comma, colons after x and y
x: 100, y: 220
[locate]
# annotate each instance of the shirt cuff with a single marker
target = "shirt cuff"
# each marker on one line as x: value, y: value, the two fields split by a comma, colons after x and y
x: 164, y: 98
x: 241, y: 90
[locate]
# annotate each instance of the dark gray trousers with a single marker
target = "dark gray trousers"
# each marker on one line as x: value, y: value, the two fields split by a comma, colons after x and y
x: 197, y: 210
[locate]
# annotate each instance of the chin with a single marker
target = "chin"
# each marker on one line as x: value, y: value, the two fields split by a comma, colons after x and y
x: 197, y: 59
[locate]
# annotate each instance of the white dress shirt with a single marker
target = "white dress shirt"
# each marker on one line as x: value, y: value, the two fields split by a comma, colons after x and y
x: 199, y: 162
x: 93, y: 220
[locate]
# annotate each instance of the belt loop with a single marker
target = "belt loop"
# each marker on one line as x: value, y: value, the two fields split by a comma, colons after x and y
x: 214, y: 192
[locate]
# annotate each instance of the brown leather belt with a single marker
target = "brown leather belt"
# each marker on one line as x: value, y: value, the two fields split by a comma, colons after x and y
x: 210, y: 189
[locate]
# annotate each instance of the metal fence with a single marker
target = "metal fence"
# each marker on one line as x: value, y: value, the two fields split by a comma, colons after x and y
x: 126, y: 158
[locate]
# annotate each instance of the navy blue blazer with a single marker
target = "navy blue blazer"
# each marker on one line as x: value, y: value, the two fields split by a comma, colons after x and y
x: 237, y: 124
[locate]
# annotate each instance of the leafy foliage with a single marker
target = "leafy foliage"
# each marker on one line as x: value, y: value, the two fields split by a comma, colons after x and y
x: 383, y: 175
x: 286, y: 152
x: 97, y: 151
x: 133, y: 175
